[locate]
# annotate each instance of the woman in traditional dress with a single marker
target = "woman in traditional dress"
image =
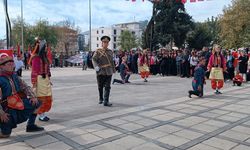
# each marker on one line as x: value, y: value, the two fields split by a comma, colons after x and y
x: 40, y: 78
x: 144, y: 66
x: 216, y: 66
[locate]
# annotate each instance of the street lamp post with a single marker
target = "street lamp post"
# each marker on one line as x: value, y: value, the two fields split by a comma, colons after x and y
x: 8, y: 25
x: 89, y: 25
x: 22, y: 49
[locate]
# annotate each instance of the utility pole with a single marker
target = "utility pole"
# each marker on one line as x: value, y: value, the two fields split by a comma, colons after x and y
x: 22, y: 48
x: 89, y: 25
x: 8, y: 25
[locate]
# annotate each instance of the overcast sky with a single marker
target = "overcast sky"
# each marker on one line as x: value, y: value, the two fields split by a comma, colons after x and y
x: 104, y: 12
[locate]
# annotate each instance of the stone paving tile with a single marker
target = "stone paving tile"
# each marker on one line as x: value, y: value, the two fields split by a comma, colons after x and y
x: 16, y: 146
x: 210, y: 115
x: 131, y: 126
x: 86, y: 139
x: 188, y: 134
x: 241, y: 147
x: 188, y: 110
x: 247, y: 123
x: 235, y: 135
x: 168, y: 128
x: 238, y: 115
x: 108, y: 146
x: 202, y: 147
x: 219, y: 111
x: 116, y: 122
x: 146, y: 122
x: 245, y: 102
x: 212, y: 104
x: 131, y: 118
x: 39, y: 141
x: 173, y: 140
x: 220, y: 143
x: 92, y: 128
x: 72, y: 132
x: 190, y: 121
x: 129, y: 142
x: 54, y: 146
x: 197, y: 102
x: 54, y: 127
x: 205, y: 128
x: 106, y: 133
x: 242, y: 129
x: 148, y: 146
x: 233, y: 107
x: 163, y: 117
x: 153, y: 113
x: 153, y: 134
x: 229, y: 118
x: 216, y: 123
x: 175, y: 114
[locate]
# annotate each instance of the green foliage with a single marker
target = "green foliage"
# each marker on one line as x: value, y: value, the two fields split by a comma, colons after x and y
x: 235, y: 25
x: 42, y: 29
x: 127, y: 40
x: 172, y: 23
x: 200, y: 36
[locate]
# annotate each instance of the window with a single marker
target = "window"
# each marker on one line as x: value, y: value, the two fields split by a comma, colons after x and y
x: 97, y: 45
x: 102, y: 31
x: 133, y: 32
x: 115, y: 31
x: 114, y: 39
x: 97, y: 38
x: 97, y: 32
x: 114, y: 46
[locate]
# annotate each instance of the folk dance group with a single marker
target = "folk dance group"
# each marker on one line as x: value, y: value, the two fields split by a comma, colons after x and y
x: 20, y: 103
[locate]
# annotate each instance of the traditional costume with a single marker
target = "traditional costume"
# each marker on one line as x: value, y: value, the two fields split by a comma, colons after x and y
x: 144, y: 66
x: 40, y: 78
x: 18, y: 102
x: 216, y: 66
x: 199, y: 80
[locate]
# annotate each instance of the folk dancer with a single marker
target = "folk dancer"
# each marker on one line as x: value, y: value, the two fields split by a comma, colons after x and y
x: 199, y: 79
x: 18, y: 102
x: 40, y: 78
x: 216, y: 66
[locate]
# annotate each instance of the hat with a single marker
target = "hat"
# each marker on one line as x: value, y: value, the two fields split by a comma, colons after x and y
x: 105, y: 38
x: 5, y: 56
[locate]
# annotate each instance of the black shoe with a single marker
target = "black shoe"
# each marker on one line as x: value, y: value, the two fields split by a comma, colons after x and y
x: 100, y: 102
x: 145, y: 80
x: 189, y: 94
x: 34, y: 128
x: 45, y: 119
x: 107, y: 104
x: 127, y: 82
x: 113, y: 82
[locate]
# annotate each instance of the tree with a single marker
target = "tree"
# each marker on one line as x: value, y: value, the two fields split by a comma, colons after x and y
x: 235, y: 24
x: 172, y: 23
x: 41, y: 29
x: 127, y: 40
x: 199, y: 37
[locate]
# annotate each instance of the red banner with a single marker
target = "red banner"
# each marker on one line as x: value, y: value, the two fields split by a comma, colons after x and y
x: 6, y: 52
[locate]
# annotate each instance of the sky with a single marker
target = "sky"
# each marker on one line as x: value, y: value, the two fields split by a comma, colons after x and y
x: 103, y: 12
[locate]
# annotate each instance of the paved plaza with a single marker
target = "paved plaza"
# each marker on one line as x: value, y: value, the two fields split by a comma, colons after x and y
x: 156, y: 115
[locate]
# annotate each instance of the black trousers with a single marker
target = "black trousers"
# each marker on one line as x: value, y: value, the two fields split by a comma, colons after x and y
x: 104, y: 82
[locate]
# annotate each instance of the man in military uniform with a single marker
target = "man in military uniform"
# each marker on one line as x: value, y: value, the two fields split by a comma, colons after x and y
x: 103, y: 63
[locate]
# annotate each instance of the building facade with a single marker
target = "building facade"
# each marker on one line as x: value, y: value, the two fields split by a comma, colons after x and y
x: 113, y: 32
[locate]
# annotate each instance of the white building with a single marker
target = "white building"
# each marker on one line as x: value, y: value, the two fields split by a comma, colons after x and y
x: 113, y: 32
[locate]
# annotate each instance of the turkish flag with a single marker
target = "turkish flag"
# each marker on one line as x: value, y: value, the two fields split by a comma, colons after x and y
x: 6, y: 52
x: 18, y: 50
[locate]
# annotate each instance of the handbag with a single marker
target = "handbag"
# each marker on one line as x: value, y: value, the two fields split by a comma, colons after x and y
x: 43, y: 86
x: 216, y: 73
x: 14, y: 101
